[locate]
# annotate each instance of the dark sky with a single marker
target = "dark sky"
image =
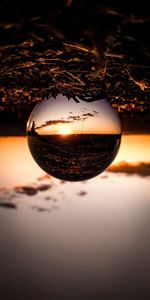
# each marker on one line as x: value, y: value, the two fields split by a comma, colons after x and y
x: 86, y: 8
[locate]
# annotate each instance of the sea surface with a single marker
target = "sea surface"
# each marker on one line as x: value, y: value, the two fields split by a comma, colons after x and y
x: 84, y: 240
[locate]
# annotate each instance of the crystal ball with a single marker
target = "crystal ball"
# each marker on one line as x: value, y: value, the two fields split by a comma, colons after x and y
x: 73, y: 140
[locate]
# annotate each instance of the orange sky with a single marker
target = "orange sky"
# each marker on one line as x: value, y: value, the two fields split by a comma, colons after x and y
x: 134, y: 149
x: 60, y: 116
x: 87, y: 126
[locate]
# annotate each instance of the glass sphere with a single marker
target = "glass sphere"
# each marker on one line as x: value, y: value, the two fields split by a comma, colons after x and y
x: 73, y: 140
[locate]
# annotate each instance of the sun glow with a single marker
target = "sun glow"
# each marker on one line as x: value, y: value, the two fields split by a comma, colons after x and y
x: 64, y: 130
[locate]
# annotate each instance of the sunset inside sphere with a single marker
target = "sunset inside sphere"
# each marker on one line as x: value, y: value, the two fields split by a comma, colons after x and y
x: 72, y: 140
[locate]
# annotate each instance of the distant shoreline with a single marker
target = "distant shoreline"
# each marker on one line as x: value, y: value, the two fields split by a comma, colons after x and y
x: 135, y: 124
x: 11, y: 129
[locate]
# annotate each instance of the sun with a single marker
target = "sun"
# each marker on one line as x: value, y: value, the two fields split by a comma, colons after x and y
x: 64, y: 130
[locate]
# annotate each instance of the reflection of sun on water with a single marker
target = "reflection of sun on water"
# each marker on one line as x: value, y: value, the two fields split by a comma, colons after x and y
x: 64, y: 130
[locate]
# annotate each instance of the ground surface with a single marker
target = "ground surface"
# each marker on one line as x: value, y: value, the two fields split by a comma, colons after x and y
x: 83, y: 49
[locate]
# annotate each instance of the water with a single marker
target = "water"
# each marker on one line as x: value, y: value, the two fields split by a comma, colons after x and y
x: 74, y: 157
x: 82, y: 240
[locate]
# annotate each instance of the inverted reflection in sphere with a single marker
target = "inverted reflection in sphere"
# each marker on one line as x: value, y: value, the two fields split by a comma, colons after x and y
x: 73, y: 141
